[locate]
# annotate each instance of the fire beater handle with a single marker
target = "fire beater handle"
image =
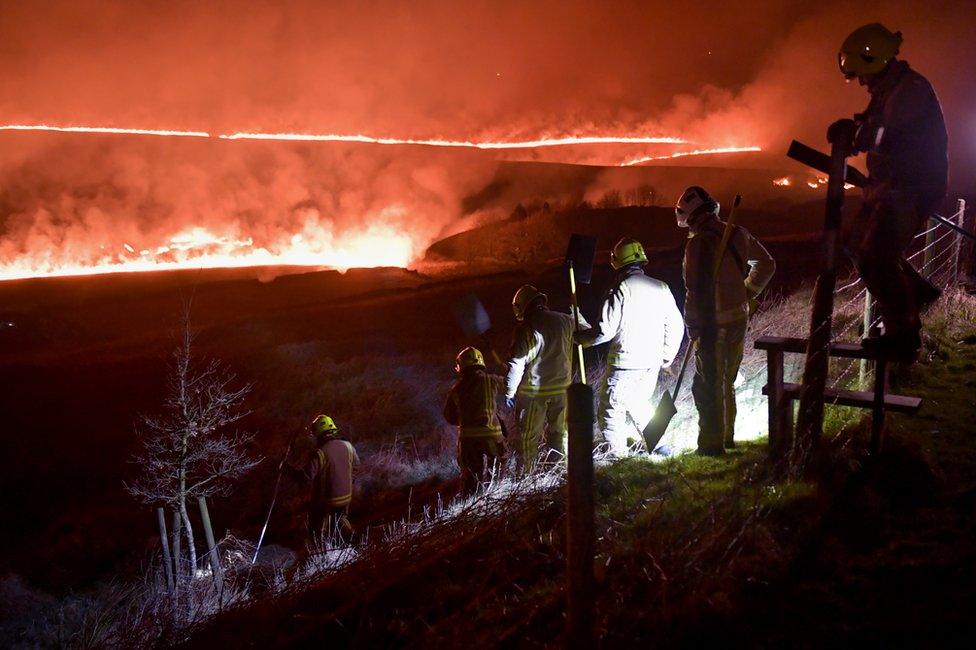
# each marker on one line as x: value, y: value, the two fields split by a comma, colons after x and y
x: 576, y: 316
x: 274, y: 496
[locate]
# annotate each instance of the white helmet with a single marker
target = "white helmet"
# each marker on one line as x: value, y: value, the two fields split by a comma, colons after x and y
x: 526, y: 299
x: 694, y: 202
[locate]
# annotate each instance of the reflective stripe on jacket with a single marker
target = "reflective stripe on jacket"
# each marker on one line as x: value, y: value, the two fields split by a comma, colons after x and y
x: 746, y: 269
x: 640, y: 320
x: 542, y: 355
x: 471, y: 404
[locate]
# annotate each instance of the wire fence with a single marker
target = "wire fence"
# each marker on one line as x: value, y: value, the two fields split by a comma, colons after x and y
x: 935, y: 255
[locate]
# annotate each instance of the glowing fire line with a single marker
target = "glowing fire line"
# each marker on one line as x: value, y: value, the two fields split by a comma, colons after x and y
x: 695, y: 152
x: 103, y: 129
x: 357, y: 138
x: 463, y: 144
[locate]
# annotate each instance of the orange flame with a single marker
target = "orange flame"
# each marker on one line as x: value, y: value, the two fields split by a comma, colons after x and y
x: 359, y: 138
x: 103, y: 129
x: 467, y: 144
x: 682, y: 154
x: 316, y: 246
x: 379, y: 244
x: 782, y: 182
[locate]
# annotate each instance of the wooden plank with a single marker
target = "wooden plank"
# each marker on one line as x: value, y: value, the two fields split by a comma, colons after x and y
x: 857, y: 398
x: 799, y: 346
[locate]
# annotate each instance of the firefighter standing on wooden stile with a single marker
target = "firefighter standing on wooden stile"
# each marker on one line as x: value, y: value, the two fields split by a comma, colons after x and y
x: 717, y: 307
x: 539, y: 371
x: 330, y: 472
x: 903, y: 133
x: 472, y: 407
x: 641, y: 321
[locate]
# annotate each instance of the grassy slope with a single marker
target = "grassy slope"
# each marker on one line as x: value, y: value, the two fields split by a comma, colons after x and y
x: 876, y: 551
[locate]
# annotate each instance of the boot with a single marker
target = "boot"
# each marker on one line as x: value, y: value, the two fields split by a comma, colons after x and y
x: 895, y: 347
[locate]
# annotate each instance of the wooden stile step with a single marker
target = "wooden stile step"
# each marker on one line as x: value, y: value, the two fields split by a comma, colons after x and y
x: 857, y: 398
x: 799, y: 346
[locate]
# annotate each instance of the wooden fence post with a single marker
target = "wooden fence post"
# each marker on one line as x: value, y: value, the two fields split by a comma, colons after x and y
x: 810, y: 424
x: 579, y: 518
x: 866, y: 323
x: 957, y: 251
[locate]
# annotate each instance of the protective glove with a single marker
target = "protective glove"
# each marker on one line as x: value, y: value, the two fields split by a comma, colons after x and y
x: 842, y: 132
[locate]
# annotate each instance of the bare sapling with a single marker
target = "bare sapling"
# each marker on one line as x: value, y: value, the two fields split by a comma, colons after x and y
x: 191, y: 449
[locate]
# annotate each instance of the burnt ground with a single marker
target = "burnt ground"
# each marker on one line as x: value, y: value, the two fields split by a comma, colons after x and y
x: 88, y: 355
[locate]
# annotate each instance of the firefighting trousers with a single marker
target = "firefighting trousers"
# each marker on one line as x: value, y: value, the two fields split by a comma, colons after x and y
x: 626, y: 406
x: 327, y: 524
x: 718, y: 356
x: 477, y: 457
x: 542, y: 419
x: 883, y: 231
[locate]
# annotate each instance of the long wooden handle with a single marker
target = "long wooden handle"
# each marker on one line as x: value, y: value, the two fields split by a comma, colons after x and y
x: 579, y: 348
x: 726, y: 236
x: 274, y: 496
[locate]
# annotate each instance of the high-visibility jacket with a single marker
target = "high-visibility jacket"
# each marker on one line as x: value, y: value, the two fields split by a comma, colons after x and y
x: 331, y: 472
x: 745, y: 271
x: 471, y: 404
x: 904, y: 134
x: 542, y: 355
x: 640, y: 320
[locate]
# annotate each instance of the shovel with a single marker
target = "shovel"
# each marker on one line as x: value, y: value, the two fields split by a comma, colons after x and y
x: 579, y: 261
x: 473, y: 319
x: 666, y: 409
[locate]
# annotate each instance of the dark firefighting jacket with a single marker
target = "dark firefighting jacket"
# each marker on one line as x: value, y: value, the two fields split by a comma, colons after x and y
x: 471, y: 404
x: 903, y: 133
x: 330, y: 470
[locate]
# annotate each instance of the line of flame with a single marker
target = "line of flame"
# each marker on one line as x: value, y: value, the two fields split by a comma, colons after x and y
x: 520, y: 144
x: 682, y: 154
x: 356, y: 138
x: 103, y: 129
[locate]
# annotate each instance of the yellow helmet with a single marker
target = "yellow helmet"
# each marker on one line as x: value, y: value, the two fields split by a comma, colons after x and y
x: 323, y: 424
x: 627, y: 251
x: 525, y: 298
x: 467, y: 358
x: 868, y: 50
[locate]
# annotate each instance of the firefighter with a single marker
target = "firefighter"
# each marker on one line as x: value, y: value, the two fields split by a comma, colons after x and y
x: 641, y: 322
x: 330, y: 472
x: 539, y: 370
x: 903, y: 133
x: 717, y: 307
x: 471, y: 407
